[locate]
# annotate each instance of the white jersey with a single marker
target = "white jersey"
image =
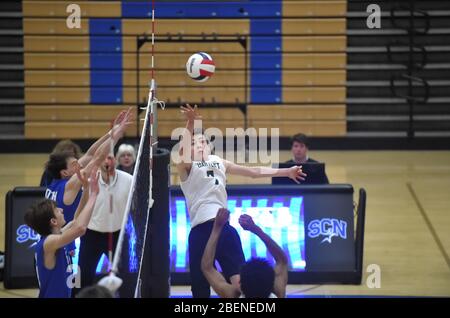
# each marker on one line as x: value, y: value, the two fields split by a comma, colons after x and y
x: 113, y: 196
x: 204, y: 189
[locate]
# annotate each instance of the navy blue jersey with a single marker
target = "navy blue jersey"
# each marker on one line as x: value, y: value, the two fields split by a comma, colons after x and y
x: 53, y: 282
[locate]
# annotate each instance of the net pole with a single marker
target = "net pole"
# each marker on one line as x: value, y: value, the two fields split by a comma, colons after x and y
x: 110, y: 234
x: 118, y: 251
x: 149, y: 123
x: 151, y: 104
x: 111, y: 205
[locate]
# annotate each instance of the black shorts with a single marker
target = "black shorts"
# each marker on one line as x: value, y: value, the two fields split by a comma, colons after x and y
x: 229, y: 251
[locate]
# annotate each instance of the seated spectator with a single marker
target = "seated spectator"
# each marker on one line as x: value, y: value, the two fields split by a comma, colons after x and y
x: 300, y: 147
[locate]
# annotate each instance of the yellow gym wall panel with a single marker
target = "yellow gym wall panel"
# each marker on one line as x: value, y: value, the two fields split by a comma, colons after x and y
x: 68, y: 113
x: 166, y: 128
x: 37, y: 43
x: 296, y: 112
x: 314, y: 44
x: 171, y: 61
x: 190, y: 27
x: 189, y: 95
x: 314, y: 26
x: 317, y: 8
x: 57, y: 78
x: 63, y: 130
x: 57, y: 8
x: 57, y: 95
x: 180, y: 78
x: 39, y: 26
x: 36, y: 61
x: 314, y: 78
x: 211, y: 114
x: 314, y: 61
x: 333, y: 95
x: 129, y: 46
x: 319, y: 128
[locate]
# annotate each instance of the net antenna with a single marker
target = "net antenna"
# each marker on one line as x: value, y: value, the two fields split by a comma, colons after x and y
x: 149, y: 130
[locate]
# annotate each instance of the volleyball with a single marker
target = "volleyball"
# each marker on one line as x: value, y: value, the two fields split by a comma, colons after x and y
x: 200, y: 66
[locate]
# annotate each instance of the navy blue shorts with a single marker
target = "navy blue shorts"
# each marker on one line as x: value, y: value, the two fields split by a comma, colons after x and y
x: 229, y: 254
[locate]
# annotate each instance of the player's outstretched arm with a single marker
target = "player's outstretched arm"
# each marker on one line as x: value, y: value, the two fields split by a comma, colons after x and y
x: 89, y: 155
x: 281, y: 272
x: 74, y: 184
x: 184, y: 165
x: 82, y: 176
x: 295, y: 173
x: 216, y: 279
x: 79, y: 225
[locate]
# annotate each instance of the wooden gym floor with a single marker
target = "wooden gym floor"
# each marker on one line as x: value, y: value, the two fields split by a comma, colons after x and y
x: 407, y: 217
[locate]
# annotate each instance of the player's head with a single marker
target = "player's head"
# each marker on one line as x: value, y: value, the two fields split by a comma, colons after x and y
x: 257, y: 278
x: 44, y: 217
x: 126, y: 155
x: 60, y: 165
x: 94, y: 291
x: 201, y: 147
x: 109, y: 164
x: 67, y: 145
x: 299, y: 146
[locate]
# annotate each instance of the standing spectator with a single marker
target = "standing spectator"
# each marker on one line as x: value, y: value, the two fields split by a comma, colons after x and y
x: 300, y: 147
x: 126, y: 157
x: 104, y: 227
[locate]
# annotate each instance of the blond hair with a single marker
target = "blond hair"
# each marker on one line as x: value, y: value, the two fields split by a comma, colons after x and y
x: 123, y: 148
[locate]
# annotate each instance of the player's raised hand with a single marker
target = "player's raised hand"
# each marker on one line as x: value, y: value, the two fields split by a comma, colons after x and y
x: 119, y: 118
x: 82, y: 177
x: 296, y: 173
x: 121, y: 123
x: 247, y: 223
x: 190, y: 113
x: 74, y: 165
x: 221, y: 217
x: 93, y: 182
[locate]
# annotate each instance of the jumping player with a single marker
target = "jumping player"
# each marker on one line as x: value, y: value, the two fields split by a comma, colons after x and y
x: 52, y: 260
x: 65, y: 188
x: 203, y: 181
x: 257, y: 277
